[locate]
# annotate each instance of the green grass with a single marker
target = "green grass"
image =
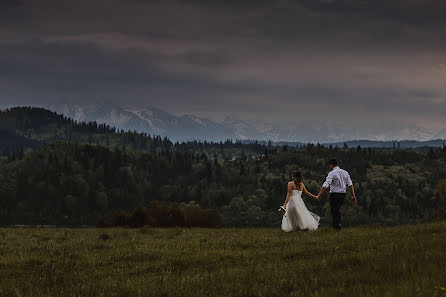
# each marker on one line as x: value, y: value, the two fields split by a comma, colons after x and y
x: 365, y: 261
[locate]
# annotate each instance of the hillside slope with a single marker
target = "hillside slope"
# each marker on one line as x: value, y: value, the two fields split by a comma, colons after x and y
x: 27, y: 127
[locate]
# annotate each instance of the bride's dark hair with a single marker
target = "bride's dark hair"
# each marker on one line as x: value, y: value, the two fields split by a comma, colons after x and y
x: 298, y: 177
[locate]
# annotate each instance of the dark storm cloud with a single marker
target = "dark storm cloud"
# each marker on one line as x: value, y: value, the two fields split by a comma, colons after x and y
x: 379, y: 58
x: 411, y: 11
x: 7, y: 4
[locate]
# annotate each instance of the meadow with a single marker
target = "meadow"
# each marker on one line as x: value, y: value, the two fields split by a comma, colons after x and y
x: 407, y: 260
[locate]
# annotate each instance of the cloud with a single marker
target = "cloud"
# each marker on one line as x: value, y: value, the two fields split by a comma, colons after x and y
x: 9, y: 4
x: 356, y: 60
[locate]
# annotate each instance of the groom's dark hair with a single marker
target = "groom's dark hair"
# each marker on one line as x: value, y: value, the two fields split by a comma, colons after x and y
x: 333, y: 162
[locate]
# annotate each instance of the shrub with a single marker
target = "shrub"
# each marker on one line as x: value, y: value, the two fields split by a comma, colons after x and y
x: 122, y: 219
x: 159, y: 215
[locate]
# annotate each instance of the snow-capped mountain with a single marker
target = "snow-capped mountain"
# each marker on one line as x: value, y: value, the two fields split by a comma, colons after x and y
x: 102, y: 112
x: 440, y: 134
x: 245, y: 130
x: 155, y: 121
x: 150, y: 120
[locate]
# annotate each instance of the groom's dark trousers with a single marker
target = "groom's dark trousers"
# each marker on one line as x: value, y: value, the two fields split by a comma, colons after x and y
x: 336, y: 201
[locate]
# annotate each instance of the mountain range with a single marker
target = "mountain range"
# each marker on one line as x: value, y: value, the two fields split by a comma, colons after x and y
x: 156, y: 121
x: 187, y: 127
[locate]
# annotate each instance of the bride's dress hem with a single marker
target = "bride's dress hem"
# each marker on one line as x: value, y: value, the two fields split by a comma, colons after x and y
x: 297, y: 217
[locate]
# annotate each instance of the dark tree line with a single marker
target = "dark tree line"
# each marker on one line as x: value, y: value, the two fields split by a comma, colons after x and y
x: 74, y: 184
x: 161, y: 215
x: 28, y: 127
x: 54, y: 170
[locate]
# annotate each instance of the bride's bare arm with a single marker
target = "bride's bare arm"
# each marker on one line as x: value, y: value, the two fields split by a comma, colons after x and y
x: 290, y: 190
x: 308, y: 193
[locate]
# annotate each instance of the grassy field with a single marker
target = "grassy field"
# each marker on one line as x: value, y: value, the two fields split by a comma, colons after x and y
x: 365, y: 261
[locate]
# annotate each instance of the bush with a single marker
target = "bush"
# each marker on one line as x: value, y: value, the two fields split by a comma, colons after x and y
x: 158, y: 215
x: 139, y: 217
x: 122, y: 219
x: 102, y: 223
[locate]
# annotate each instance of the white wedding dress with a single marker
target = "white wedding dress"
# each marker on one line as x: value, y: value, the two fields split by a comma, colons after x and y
x: 297, y: 216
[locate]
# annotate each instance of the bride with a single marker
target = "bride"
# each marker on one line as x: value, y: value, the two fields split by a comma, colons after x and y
x: 296, y: 216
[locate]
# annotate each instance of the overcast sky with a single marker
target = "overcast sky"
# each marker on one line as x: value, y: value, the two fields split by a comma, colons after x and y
x: 360, y: 63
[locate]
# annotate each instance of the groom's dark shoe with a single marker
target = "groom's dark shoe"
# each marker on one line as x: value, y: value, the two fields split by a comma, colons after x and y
x: 337, y: 226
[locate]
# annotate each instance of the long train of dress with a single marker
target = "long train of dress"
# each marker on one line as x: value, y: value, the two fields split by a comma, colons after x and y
x: 297, y: 216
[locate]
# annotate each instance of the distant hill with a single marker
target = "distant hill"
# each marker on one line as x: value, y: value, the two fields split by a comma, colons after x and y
x: 11, y: 143
x: 187, y: 127
x: 22, y: 128
x: 153, y: 120
x: 28, y: 127
x: 404, y: 144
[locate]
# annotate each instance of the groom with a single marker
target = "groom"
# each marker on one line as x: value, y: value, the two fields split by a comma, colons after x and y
x: 338, y: 180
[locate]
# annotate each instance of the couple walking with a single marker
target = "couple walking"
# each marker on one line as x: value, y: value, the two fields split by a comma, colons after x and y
x: 296, y: 216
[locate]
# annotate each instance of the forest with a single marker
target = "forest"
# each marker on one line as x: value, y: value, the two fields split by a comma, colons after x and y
x: 57, y: 171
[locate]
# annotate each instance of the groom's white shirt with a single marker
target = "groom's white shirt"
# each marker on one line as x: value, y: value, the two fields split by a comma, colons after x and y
x: 338, y: 180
